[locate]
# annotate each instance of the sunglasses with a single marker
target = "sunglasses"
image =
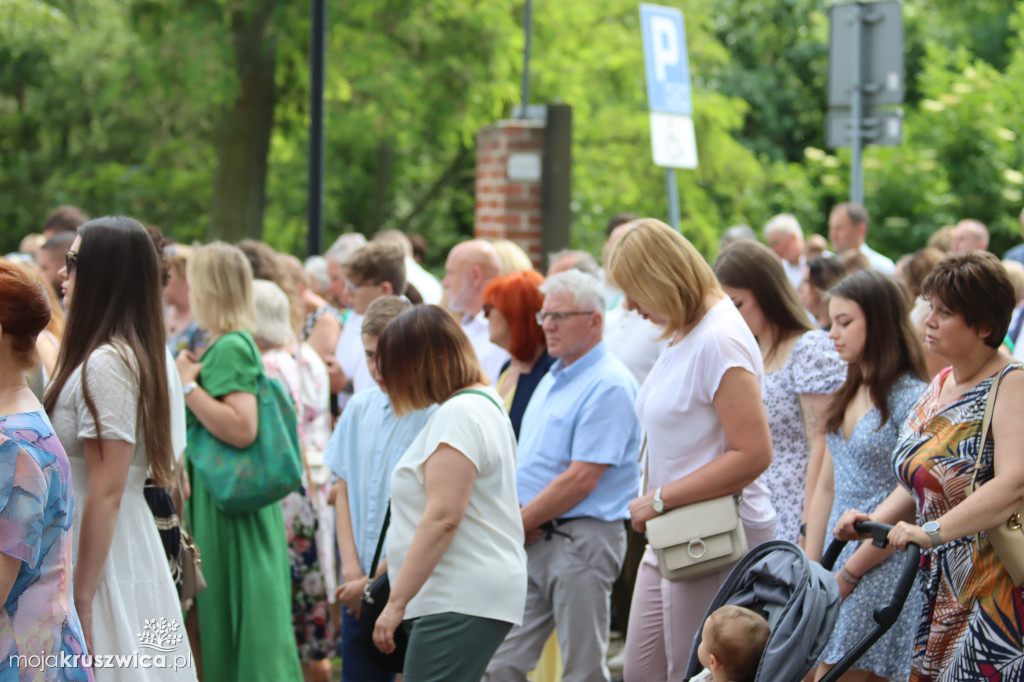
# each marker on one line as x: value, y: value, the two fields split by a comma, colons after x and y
x: 70, y: 260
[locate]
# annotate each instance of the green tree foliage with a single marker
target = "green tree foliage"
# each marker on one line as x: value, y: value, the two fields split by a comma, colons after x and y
x: 139, y: 106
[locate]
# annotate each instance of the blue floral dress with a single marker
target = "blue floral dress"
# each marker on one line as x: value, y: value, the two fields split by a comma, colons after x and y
x: 863, y: 478
x: 36, y: 499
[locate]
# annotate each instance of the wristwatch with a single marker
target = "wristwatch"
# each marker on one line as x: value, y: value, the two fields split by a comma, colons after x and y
x: 658, y: 504
x: 188, y: 388
x: 932, y: 528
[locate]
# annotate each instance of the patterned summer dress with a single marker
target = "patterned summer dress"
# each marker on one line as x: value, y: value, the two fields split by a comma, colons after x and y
x: 36, y: 499
x: 863, y: 478
x: 813, y: 367
x: 310, y: 615
x: 973, y: 616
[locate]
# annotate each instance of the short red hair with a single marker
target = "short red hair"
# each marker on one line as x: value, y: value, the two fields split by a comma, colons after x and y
x: 517, y: 297
x: 24, y: 311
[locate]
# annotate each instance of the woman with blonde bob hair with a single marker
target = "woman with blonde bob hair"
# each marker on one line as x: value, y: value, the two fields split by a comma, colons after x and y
x: 453, y: 493
x: 245, y: 556
x: 704, y: 425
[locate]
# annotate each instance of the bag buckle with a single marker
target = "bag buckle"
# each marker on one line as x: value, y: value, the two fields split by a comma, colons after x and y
x: 1013, y: 523
x: 696, y: 543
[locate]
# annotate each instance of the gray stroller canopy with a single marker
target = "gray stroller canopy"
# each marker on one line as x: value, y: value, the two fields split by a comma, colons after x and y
x: 798, y: 597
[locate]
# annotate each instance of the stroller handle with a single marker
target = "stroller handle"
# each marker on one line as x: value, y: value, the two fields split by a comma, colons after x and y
x: 887, y: 614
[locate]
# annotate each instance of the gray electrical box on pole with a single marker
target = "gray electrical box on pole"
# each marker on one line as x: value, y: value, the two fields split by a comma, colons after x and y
x: 865, y: 81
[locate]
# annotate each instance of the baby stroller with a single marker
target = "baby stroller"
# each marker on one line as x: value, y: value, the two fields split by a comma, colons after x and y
x: 800, y: 600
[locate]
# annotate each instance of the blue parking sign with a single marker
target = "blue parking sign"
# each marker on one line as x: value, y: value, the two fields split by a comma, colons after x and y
x: 668, y: 68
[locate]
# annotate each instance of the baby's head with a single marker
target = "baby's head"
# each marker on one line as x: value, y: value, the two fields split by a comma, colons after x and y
x: 732, y: 643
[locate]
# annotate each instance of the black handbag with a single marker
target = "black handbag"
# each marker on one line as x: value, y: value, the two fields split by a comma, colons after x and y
x: 168, y: 525
x: 375, y: 597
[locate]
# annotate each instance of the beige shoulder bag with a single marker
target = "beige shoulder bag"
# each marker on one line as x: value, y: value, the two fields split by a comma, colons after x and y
x: 1007, y: 538
x: 696, y: 539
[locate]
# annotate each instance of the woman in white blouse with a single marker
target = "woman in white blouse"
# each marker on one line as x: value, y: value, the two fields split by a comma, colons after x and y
x: 455, y: 552
x: 705, y: 427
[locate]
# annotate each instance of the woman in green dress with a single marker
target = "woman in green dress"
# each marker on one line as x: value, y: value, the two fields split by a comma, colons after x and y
x: 244, y: 615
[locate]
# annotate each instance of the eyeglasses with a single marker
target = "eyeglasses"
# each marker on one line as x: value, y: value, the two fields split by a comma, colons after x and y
x: 353, y: 286
x: 70, y: 260
x: 560, y: 317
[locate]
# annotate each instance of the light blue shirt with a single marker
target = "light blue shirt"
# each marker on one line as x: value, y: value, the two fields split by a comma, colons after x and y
x: 583, y: 412
x: 877, y: 260
x: 367, y: 442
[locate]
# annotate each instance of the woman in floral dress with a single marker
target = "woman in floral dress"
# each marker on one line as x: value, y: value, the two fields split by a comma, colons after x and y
x: 872, y: 332
x: 971, y: 623
x: 802, y: 370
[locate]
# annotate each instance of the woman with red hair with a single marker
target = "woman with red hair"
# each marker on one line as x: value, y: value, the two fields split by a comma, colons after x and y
x: 511, y: 304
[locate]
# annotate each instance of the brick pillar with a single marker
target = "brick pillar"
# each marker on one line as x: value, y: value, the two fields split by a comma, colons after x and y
x: 510, y: 208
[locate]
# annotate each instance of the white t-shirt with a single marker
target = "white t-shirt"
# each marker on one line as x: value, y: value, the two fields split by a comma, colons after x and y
x: 676, y: 410
x: 795, y: 273
x: 428, y: 286
x: 177, y: 397
x: 351, y: 356
x: 636, y: 342
x: 483, y: 571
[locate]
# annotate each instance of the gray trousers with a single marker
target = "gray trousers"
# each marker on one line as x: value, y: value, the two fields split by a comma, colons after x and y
x: 569, y: 585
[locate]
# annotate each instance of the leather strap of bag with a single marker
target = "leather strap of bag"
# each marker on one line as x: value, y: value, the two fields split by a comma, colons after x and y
x: 986, y: 426
x: 478, y: 392
x: 380, y: 546
x: 179, y: 496
x: 645, y: 459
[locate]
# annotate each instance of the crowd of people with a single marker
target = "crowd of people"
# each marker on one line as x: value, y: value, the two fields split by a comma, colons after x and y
x: 496, y: 443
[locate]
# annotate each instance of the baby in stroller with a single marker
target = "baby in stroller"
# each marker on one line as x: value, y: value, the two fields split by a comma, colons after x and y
x: 731, y: 646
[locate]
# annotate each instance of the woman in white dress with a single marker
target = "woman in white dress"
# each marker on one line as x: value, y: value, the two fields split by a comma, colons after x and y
x: 110, y: 408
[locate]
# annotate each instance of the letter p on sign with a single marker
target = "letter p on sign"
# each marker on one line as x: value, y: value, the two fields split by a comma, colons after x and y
x: 666, y: 46
x: 667, y: 66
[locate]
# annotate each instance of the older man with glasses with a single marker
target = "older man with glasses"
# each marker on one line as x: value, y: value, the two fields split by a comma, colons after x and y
x: 576, y: 474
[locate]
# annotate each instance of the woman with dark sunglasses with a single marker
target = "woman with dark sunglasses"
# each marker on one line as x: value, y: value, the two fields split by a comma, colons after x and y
x: 110, y: 406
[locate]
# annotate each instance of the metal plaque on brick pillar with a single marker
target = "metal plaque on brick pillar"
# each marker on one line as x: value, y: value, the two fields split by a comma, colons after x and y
x: 865, y: 81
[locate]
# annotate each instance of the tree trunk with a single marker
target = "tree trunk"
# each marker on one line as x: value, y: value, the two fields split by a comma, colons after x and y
x: 243, y: 139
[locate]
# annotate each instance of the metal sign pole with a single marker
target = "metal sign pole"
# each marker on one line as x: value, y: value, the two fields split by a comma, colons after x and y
x: 673, y: 197
x: 315, y: 208
x: 856, y: 112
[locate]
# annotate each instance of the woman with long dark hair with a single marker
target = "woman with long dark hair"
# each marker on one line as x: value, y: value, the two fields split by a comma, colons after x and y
x: 38, y: 618
x: 801, y: 369
x: 110, y: 407
x: 885, y: 371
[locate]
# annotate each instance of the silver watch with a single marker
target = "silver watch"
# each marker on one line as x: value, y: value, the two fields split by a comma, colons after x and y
x: 932, y: 528
x: 188, y: 388
x: 658, y: 504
